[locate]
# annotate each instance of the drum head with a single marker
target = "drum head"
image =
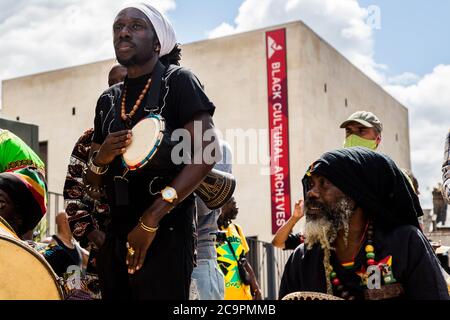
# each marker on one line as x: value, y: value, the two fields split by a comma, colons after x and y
x: 144, y: 143
x: 24, y: 274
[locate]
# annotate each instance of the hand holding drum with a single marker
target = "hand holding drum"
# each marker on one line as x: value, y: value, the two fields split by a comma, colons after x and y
x: 150, y: 147
x: 115, y: 144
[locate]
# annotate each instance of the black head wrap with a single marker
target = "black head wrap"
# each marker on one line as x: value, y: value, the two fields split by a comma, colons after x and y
x: 27, y: 207
x: 374, y: 181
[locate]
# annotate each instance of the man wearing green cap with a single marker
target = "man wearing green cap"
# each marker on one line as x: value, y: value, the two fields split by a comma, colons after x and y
x: 362, y: 129
x: 362, y: 236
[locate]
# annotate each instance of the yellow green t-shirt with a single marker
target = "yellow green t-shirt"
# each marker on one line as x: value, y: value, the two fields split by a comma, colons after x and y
x: 234, y: 288
x: 16, y: 154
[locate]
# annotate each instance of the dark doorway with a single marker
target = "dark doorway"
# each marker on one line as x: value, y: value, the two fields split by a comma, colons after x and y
x: 43, y: 153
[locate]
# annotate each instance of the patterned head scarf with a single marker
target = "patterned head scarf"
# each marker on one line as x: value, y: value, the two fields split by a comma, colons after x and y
x: 28, y: 191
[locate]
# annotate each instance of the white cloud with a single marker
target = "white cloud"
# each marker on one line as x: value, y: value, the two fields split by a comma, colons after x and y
x: 343, y: 24
x: 428, y: 101
x: 223, y: 30
x: 404, y: 79
x: 42, y: 35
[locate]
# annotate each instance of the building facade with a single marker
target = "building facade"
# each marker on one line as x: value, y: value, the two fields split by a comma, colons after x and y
x: 323, y: 89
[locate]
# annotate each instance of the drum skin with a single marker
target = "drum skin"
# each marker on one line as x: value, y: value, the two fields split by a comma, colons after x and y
x: 151, y: 150
x: 144, y: 143
x: 24, y: 273
x: 151, y: 146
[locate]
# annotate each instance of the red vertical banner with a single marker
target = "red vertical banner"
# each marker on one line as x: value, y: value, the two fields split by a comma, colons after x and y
x: 278, y: 127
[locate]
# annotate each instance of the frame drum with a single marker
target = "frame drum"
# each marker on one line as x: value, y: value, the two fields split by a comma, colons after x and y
x: 151, y: 148
x: 24, y: 273
x: 148, y: 135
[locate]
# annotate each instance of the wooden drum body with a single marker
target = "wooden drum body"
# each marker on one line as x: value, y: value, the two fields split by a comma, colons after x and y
x: 24, y: 273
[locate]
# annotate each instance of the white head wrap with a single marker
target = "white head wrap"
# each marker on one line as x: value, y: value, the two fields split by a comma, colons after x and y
x: 163, y: 27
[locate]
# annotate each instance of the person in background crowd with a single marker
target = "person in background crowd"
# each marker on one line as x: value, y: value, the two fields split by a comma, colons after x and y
x: 88, y: 211
x: 15, y: 154
x: 240, y: 280
x: 362, y: 129
x: 62, y: 250
x: 284, y: 238
x: 439, y: 204
x: 361, y: 216
x: 207, y: 276
x: 23, y: 200
x: 117, y: 74
x: 446, y: 170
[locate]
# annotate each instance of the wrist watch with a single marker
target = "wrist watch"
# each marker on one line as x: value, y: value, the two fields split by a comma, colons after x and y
x: 169, y: 195
x: 94, y: 168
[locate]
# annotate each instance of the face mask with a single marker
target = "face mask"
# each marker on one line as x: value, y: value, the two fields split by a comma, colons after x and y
x: 356, y: 141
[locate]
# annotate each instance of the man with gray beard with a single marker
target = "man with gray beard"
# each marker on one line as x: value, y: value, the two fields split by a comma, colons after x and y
x: 323, y: 229
x: 362, y: 236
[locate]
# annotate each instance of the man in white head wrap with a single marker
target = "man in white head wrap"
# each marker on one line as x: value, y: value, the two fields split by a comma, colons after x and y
x: 149, y: 248
x: 163, y: 27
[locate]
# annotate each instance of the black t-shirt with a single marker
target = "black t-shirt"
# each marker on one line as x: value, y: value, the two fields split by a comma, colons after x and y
x: 414, y: 266
x: 61, y: 257
x: 181, y: 97
x: 178, y: 99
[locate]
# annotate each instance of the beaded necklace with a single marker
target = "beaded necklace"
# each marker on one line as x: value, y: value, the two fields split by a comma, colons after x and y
x: 370, y: 256
x: 127, y: 117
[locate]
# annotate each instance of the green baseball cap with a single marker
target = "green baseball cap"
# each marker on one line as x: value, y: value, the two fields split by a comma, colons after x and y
x: 366, y: 118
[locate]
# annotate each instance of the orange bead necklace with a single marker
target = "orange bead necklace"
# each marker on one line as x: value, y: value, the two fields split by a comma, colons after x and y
x: 127, y: 117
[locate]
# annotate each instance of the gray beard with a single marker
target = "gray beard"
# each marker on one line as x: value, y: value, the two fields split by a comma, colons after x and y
x: 325, y: 229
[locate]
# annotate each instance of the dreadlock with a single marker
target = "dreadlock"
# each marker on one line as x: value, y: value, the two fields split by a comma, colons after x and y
x: 173, y: 57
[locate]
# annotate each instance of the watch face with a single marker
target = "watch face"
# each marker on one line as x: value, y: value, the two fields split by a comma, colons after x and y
x: 169, y: 193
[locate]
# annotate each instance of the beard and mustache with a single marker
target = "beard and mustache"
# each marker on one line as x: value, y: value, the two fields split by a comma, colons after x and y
x: 140, y: 57
x: 323, y: 227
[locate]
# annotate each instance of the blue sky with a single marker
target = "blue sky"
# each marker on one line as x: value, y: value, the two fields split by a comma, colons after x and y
x: 414, y: 34
x: 192, y: 19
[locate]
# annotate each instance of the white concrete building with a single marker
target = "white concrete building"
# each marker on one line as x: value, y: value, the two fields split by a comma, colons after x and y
x: 324, y: 88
